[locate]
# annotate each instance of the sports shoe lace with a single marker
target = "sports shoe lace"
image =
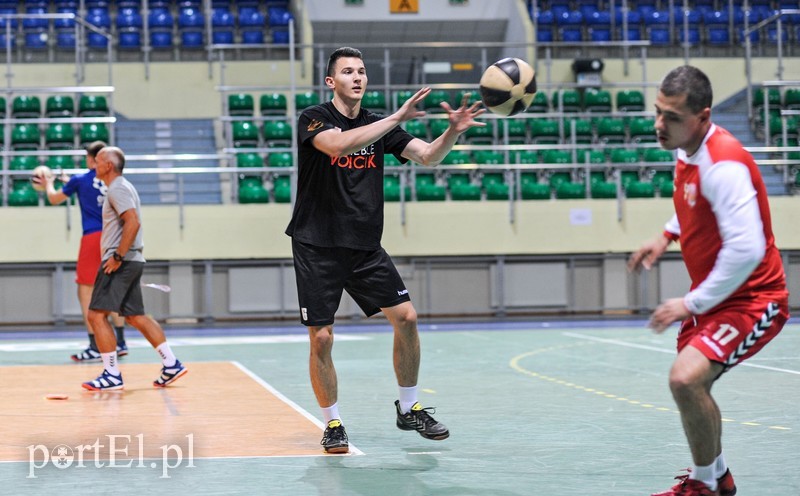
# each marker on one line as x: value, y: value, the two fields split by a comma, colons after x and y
x: 424, y: 418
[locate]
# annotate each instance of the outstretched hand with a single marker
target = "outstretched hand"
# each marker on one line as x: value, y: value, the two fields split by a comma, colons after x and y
x: 409, y: 109
x: 463, y: 118
x: 648, y: 254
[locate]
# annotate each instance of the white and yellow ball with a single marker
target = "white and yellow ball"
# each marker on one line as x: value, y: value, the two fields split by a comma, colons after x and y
x: 508, y: 86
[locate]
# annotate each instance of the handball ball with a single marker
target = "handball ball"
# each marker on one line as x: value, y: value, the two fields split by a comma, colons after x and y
x: 508, y: 86
x: 41, y: 172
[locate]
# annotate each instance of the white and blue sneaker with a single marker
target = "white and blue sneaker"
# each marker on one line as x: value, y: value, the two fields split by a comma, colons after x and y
x: 122, y: 350
x: 170, y: 374
x: 106, y: 382
x: 89, y: 355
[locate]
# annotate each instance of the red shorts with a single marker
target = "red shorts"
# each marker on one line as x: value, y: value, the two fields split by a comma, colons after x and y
x: 88, y: 259
x: 735, y: 331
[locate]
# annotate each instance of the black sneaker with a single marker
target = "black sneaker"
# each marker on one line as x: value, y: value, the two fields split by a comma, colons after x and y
x: 418, y: 419
x: 334, y: 440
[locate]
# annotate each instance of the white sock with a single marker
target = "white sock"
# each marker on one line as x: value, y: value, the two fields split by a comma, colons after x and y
x: 110, y: 362
x: 705, y: 474
x: 720, y: 467
x: 165, y: 352
x: 408, y: 396
x: 331, y: 413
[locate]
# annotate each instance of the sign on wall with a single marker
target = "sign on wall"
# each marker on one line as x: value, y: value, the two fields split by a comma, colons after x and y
x: 404, y: 6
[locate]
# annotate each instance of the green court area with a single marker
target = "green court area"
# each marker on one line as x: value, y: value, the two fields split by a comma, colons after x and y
x: 553, y: 409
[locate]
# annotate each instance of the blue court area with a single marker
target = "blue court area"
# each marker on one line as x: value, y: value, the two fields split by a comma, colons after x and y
x: 555, y: 408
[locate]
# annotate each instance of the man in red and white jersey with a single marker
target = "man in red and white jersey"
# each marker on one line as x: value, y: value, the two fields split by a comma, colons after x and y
x: 738, y: 299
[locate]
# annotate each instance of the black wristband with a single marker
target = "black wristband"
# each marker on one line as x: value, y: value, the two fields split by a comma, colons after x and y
x: 117, y: 257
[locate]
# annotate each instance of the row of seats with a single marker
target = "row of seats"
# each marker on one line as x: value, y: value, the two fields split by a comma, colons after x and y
x: 22, y: 193
x: 243, y: 104
x: 274, y: 133
x: 712, y: 27
x: 57, y: 136
x: 30, y: 106
x: 777, y: 100
x: 91, y: 4
x: 248, y: 26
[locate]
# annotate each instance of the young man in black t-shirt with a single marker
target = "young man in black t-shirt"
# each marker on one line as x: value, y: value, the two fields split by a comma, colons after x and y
x: 337, y: 225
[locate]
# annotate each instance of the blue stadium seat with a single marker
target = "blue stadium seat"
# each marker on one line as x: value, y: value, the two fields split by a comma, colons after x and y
x: 222, y: 24
x: 545, y: 21
x: 251, y: 26
x: 191, y: 24
x: 692, y: 18
x: 129, y: 28
x: 98, y: 17
x: 35, y: 30
x: 657, y: 25
x: 65, y: 23
x: 599, y: 23
x: 279, y: 17
x: 160, y: 21
x: 570, y: 26
x: 634, y: 25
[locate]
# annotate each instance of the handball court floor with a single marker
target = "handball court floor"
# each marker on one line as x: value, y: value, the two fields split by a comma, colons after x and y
x: 555, y: 408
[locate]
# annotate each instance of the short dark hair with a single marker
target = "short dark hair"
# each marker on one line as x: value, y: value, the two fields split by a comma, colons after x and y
x: 339, y: 53
x: 692, y: 82
x: 93, y: 148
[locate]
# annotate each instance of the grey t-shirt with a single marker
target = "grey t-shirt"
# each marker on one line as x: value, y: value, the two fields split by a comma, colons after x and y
x: 121, y: 197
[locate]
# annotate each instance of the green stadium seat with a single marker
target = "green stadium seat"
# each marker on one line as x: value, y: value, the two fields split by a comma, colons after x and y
x: 2, y: 107
x: 282, y: 189
x: 642, y: 130
x: 401, y: 97
x: 305, y: 99
x: 597, y: 101
x: 773, y: 98
x: 666, y: 189
x: 431, y: 192
x: 630, y: 101
x: 391, y: 189
x: 488, y: 157
x: 611, y: 131
x: 417, y: 129
x: 556, y: 157
x: 639, y: 189
x: 25, y: 137
x: 457, y: 157
x: 474, y: 96
x: 438, y: 127
x: 657, y: 155
x: 535, y: 191
x: 389, y: 160
x: 60, y: 162
x: 425, y: 179
x: 595, y: 156
x: 92, y: 106
x: 277, y: 133
x: 497, y: 191
x: 279, y: 159
x: 23, y: 163
x: 556, y: 178
x: 458, y: 178
x: 544, y: 132
x: 59, y: 137
x: 776, y: 131
x: 374, y: 101
x: 658, y: 177
x: 26, y: 107
x: 253, y: 193
x: 59, y: 106
x: 791, y: 99
x: 241, y: 104
x: 570, y: 190
x: 597, y: 176
x: 603, y: 189
x: 434, y: 99
x: 23, y: 196
x: 525, y: 157
x: 479, y: 135
x: 517, y: 133
x: 488, y: 178
x: 539, y: 105
x: 583, y: 131
x: 245, y: 134
x: 249, y: 160
x: 93, y: 131
x: 465, y: 192
x: 273, y: 104
x: 569, y: 98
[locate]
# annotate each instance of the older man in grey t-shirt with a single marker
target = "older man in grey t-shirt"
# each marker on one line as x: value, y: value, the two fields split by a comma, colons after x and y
x: 118, y: 285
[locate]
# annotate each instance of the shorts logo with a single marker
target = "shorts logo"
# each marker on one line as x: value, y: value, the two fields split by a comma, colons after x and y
x: 314, y: 125
x: 403, y: 292
x: 304, y: 313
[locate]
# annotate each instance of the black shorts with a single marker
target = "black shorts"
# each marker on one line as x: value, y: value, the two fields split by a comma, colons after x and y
x: 120, y: 291
x: 369, y: 276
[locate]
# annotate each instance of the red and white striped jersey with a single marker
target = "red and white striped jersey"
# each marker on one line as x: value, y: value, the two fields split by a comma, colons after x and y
x: 722, y: 220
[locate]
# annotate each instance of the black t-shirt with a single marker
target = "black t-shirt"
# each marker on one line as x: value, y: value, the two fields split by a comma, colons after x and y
x: 340, y: 199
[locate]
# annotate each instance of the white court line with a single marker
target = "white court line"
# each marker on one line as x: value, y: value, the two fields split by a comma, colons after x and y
x: 671, y: 352
x: 292, y: 404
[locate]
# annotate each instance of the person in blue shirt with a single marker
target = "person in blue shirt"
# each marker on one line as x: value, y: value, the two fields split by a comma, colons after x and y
x: 91, y: 194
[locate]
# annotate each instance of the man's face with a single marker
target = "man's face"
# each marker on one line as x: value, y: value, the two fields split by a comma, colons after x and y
x: 677, y: 126
x: 91, y: 162
x: 102, y: 165
x: 349, y: 80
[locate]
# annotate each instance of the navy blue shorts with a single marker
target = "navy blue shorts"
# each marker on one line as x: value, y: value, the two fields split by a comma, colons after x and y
x: 369, y: 276
x: 120, y: 291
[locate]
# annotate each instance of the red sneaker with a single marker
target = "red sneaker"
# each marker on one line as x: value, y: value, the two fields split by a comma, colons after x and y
x: 689, y: 487
x: 726, y: 485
